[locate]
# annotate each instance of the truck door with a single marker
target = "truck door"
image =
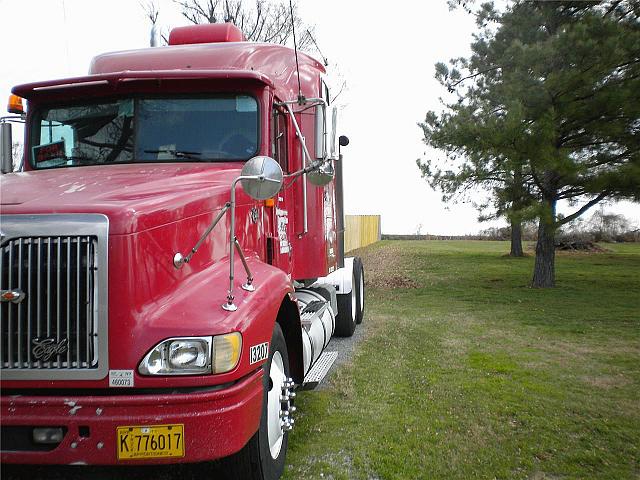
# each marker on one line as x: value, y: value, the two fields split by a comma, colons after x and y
x: 281, y: 216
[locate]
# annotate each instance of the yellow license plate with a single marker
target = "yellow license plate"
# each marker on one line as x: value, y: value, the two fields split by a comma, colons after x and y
x: 150, y: 441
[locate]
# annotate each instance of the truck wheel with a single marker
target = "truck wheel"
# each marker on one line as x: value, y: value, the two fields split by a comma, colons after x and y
x: 358, y: 270
x: 263, y: 457
x: 347, y: 311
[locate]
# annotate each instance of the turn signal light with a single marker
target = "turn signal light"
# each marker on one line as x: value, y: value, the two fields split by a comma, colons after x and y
x: 269, y: 202
x: 15, y: 105
x: 226, y: 352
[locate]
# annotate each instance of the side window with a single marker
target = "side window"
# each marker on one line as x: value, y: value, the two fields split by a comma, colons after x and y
x: 279, y: 136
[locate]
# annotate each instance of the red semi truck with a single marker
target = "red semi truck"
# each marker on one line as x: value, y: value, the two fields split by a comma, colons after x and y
x: 172, y: 261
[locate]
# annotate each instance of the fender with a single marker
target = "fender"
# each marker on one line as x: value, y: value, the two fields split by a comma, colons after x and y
x: 341, y: 278
x: 197, y: 308
x: 289, y: 320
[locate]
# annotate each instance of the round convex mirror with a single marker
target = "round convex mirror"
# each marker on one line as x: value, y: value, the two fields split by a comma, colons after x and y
x: 264, y: 177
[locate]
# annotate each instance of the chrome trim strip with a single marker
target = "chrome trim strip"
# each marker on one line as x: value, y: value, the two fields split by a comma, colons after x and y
x: 58, y: 285
x: 78, y: 268
x: 39, y: 295
x: 10, y: 319
x: 20, y: 307
x: 1, y: 323
x: 73, y: 227
x: 64, y: 86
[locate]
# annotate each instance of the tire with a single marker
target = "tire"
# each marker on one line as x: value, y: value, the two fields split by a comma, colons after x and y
x: 347, y: 311
x: 358, y: 269
x: 263, y: 458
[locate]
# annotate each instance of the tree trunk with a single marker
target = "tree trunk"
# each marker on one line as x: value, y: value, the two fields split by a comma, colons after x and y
x: 544, y: 274
x: 516, y: 239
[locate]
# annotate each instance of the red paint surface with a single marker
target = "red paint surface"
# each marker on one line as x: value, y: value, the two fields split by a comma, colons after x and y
x: 156, y: 210
x: 216, y: 424
x: 205, y: 33
x: 135, y: 197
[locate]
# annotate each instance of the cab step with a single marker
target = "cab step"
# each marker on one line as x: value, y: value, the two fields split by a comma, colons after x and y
x: 319, y: 370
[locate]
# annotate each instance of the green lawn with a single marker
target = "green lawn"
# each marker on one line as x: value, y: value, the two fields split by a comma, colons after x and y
x: 466, y: 372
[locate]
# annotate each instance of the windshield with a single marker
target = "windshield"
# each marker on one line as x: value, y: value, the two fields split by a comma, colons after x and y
x: 146, y: 130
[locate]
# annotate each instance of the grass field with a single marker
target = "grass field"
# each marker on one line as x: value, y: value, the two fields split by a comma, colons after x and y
x: 466, y: 372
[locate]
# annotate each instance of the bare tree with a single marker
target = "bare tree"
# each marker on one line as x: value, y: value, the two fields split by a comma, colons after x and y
x: 261, y: 21
x: 607, y: 226
x: 17, y: 151
x: 152, y: 12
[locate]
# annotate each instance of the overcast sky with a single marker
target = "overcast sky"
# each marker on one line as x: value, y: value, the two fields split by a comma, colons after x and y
x: 386, y: 56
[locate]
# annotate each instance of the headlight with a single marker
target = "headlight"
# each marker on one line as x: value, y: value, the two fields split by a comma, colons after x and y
x: 193, y: 355
x: 178, y: 356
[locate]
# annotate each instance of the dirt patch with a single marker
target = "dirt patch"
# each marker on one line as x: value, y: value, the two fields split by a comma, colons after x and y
x: 544, y: 475
x: 574, y: 248
x: 392, y: 281
x: 583, y: 350
x: 607, y: 382
x: 383, y: 268
x: 579, y: 246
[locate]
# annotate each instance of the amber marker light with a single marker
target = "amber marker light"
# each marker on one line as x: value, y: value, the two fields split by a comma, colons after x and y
x: 226, y: 352
x: 269, y: 202
x: 15, y: 105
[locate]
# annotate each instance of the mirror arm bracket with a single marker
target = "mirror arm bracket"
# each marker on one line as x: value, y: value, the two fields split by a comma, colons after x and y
x: 233, y: 244
x: 249, y: 285
x: 179, y: 260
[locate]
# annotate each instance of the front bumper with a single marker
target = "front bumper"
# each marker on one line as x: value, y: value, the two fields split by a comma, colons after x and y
x: 216, y: 423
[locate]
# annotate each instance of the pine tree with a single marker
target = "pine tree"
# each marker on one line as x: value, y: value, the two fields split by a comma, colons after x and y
x: 548, y: 109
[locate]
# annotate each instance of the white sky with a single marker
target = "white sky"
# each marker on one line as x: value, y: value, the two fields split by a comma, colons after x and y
x: 385, y: 54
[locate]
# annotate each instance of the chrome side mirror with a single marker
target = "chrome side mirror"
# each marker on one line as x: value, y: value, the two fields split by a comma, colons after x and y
x: 322, y: 175
x: 261, y: 178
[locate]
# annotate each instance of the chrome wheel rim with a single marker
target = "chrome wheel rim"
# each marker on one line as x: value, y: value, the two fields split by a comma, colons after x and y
x: 274, y: 427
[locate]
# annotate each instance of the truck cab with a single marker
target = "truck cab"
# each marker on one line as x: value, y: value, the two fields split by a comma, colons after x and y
x: 172, y: 261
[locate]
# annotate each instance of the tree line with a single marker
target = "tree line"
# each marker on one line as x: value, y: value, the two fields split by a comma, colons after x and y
x: 600, y: 227
x: 546, y: 109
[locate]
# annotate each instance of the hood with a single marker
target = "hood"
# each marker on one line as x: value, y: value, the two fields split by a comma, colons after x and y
x: 135, y: 197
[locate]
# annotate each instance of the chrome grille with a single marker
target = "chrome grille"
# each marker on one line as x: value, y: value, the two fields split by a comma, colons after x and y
x: 53, y: 320
x: 59, y: 309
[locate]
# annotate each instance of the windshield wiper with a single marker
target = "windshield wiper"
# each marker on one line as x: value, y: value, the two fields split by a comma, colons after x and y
x: 176, y: 153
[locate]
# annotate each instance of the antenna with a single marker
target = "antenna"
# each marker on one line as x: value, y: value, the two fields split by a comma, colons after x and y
x: 301, y: 99
x: 324, y: 59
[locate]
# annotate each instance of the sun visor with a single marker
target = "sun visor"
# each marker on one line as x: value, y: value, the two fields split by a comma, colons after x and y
x: 112, y: 83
